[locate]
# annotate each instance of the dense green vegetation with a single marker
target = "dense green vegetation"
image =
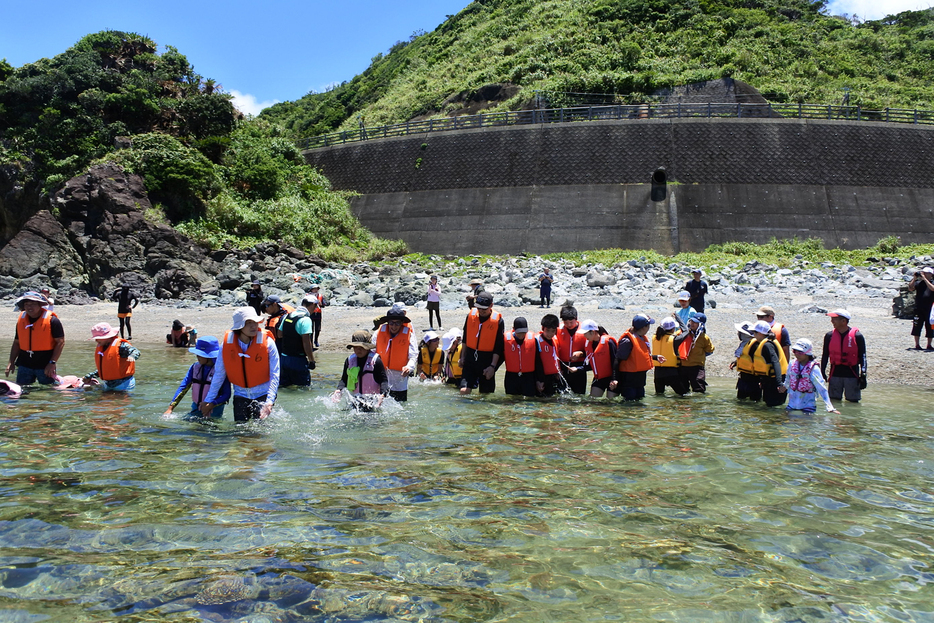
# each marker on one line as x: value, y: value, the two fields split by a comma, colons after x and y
x: 788, y: 49
x: 214, y: 175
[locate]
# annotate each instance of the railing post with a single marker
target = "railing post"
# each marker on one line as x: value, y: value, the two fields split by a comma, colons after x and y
x: 708, y: 110
x: 431, y: 124
x: 829, y: 111
x: 859, y: 113
x: 679, y: 109
x: 739, y: 110
x: 590, y: 113
x: 455, y: 122
x: 480, y: 120
x: 886, y: 113
x: 562, y: 115
x: 916, y: 116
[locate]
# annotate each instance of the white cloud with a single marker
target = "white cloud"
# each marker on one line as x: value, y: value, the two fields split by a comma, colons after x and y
x: 247, y: 103
x: 875, y: 9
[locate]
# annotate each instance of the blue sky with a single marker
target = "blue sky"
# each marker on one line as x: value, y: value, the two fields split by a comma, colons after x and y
x: 268, y: 52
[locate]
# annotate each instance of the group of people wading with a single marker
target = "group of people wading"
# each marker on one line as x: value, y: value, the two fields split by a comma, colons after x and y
x: 261, y: 353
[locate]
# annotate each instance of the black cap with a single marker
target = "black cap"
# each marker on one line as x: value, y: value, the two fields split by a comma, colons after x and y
x: 520, y: 323
x: 272, y: 298
x: 484, y: 300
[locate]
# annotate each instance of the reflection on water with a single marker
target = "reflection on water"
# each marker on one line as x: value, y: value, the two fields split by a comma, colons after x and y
x: 463, y: 509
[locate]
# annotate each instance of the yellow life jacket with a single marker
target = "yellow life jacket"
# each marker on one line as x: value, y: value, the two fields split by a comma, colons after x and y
x: 431, y: 364
x: 666, y: 347
x: 455, y: 371
x: 763, y: 367
x: 744, y: 361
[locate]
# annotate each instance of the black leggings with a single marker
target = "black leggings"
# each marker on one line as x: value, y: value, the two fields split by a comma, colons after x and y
x: 434, y: 306
x: 125, y: 322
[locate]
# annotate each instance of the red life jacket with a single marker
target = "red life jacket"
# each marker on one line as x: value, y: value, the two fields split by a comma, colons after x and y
x: 110, y: 365
x: 549, y: 355
x: 520, y: 357
x: 599, y: 359
x: 482, y: 336
x: 640, y: 359
x: 250, y: 368
x: 843, y: 349
x: 394, y: 349
x: 568, y: 345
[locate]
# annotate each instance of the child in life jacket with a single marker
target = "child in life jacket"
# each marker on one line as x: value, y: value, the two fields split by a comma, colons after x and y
x: 668, y: 339
x: 747, y: 384
x: 430, y: 364
x: 693, y: 352
x: 199, y: 378
x: 451, y: 345
x: 364, y: 374
x: 115, y: 358
x: 600, y: 358
x: 804, y: 380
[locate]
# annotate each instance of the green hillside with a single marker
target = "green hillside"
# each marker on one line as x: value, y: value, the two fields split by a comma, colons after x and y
x: 789, y: 50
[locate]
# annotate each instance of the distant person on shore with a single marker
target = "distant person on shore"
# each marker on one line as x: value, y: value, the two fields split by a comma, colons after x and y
x: 255, y: 297
x: 47, y: 293
x: 693, y: 352
x: 199, y: 378
x: 697, y: 288
x: 182, y: 335
x: 519, y: 356
x: 634, y: 354
x: 250, y: 361
x: 768, y: 363
x: 430, y: 364
x: 600, y: 358
x: 37, y: 343
x: 474, y: 290
x: 685, y: 311
x: 484, y: 343
x: 316, y: 313
x: 544, y: 286
x: 124, y: 298
x: 767, y: 314
x: 115, y: 359
x: 667, y: 369
x: 804, y: 381
x: 452, y: 344
x: 845, y: 348
x: 276, y: 310
x: 398, y: 349
x: 364, y: 374
x: 571, y: 344
x: 433, y: 300
x: 923, y: 288
x: 548, y: 379
x: 293, y: 339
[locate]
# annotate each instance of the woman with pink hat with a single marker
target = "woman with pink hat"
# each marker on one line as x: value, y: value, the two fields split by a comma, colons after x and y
x: 115, y: 358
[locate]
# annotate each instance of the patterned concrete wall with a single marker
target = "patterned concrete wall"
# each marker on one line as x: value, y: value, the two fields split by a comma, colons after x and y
x: 585, y: 185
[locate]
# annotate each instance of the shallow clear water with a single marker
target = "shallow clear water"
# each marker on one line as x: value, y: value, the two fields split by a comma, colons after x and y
x: 463, y: 509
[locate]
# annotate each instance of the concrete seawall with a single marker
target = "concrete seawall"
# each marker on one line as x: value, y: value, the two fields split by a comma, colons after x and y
x: 564, y: 187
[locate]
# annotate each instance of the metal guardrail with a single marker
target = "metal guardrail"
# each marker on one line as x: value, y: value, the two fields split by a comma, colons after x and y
x: 629, y: 111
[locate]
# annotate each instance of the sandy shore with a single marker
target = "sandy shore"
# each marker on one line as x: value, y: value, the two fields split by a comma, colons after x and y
x: 888, y: 339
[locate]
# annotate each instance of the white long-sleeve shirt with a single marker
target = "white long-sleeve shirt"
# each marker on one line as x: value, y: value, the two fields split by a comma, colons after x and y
x: 269, y: 389
x: 806, y: 401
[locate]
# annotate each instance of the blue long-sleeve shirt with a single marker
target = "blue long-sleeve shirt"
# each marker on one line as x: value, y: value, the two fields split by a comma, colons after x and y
x: 269, y: 389
x: 201, y: 374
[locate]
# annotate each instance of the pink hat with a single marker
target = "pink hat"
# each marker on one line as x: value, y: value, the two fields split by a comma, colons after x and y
x: 103, y: 331
x: 68, y: 382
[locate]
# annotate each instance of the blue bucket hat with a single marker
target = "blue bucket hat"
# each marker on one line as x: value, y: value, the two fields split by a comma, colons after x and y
x: 207, y: 346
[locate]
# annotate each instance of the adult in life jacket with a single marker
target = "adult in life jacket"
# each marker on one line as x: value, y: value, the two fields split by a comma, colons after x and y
x: 548, y: 378
x: 484, y: 344
x: 571, y: 342
x: 277, y: 311
x: 199, y: 378
x: 293, y: 339
x: 364, y: 374
x: 249, y: 359
x: 519, y: 349
x: 316, y: 311
x: 452, y: 345
x: 804, y: 381
x: 115, y: 359
x: 430, y: 364
x: 768, y: 363
x: 747, y: 383
x: 665, y: 343
x: 600, y: 358
x: 38, y: 343
x: 398, y: 349
x: 845, y: 348
x: 767, y: 313
x: 635, y: 358
x: 693, y: 352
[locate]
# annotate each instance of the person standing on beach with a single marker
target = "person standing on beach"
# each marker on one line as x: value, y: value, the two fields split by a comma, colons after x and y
x: 255, y: 296
x: 434, y: 302
x: 544, y: 281
x: 124, y: 297
x: 697, y: 288
x: 316, y: 312
x: 571, y: 344
x: 845, y: 348
x: 37, y: 343
x: 686, y: 312
x: 474, y: 289
x: 921, y: 285
x: 484, y: 346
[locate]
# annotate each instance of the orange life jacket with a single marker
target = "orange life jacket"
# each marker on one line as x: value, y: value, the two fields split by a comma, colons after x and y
x: 250, y: 368
x: 549, y: 354
x: 640, y: 359
x: 568, y: 345
x: 520, y: 357
x: 272, y: 323
x: 35, y: 335
x: 110, y: 366
x: 482, y: 336
x: 394, y: 349
x: 599, y: 358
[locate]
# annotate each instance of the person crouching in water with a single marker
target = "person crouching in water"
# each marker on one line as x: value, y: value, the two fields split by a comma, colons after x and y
x: 693, y: 352
x: 364, y: 374
x: 451, y: 345
x: 804, y: 380
x: 548, y: 378
x: 250, y: 361
x: 519, y: 353
x: 768, y: 363
x: 430, y: 364
x: 600, y: 358
x: 115, y: 358
x: 199, y: 378
x: 634, y: 354
x: 666, y: 343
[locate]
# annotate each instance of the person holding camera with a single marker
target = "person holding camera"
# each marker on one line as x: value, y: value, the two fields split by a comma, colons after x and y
x: 921, y: 285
